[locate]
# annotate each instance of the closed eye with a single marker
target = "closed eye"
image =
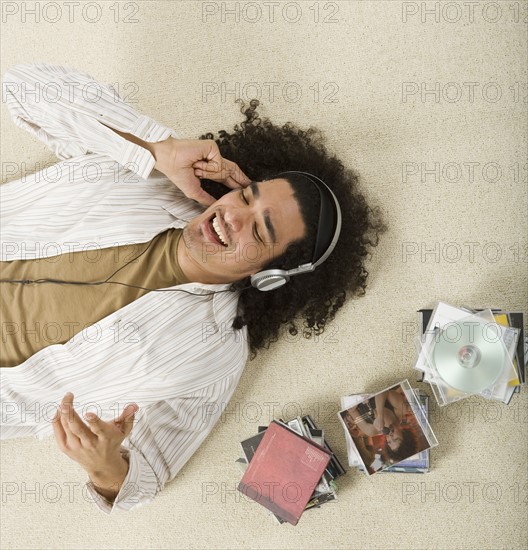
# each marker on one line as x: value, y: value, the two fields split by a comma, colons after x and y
x: 257, y: 236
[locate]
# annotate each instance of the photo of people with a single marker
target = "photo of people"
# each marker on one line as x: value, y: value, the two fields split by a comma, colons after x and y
x: 384, y: 429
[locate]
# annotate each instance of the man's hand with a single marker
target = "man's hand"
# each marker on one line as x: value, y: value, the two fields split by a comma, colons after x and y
x: 96, y: 446
x: 183, y: 161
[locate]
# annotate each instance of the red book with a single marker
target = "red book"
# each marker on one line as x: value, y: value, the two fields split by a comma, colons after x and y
x: 284, y: 472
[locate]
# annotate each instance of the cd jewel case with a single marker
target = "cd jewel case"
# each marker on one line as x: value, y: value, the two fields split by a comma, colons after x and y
x: 463, y: 355
x: 415, y: 464
x: 387, y: 428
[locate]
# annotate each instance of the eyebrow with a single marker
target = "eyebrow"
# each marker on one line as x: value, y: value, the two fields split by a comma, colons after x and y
x: 271, y: 230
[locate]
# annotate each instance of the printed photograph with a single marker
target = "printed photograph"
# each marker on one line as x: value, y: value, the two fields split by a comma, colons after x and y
x: 385, y: 429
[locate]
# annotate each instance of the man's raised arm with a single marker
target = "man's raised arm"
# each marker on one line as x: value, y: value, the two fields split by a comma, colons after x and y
x: 73, y: 115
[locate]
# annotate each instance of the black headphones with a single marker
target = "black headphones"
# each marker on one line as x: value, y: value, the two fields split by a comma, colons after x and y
x: 328, y: 231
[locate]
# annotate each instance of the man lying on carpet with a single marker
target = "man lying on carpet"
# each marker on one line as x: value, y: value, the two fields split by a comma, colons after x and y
x: 106, y: 309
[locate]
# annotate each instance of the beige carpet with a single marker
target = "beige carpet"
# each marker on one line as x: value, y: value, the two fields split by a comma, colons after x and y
x: 361, y: 72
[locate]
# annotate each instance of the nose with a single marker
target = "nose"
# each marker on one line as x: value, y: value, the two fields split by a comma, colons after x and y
x: 235, y: 218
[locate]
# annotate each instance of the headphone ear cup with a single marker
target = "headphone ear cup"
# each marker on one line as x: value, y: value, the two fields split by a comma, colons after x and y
x: 269, y: 279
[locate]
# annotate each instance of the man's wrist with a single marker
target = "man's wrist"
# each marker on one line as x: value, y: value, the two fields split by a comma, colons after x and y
x: 164, y: 154
x: 148, y: 145
x: 108, y: 482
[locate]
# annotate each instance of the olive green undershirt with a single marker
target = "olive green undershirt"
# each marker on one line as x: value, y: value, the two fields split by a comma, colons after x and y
x: 34, y: 316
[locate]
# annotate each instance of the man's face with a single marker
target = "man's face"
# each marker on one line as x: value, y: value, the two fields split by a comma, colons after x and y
x: 256, y: 223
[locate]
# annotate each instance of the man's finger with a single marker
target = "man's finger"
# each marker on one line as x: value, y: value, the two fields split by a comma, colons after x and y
x: 201, y: 196
x: 74, y: 427
x: 234, y: 171
x: 58, y: 430
x: 214, y: 165
x: 243, y: 180
x: 127, y: 412
x: 211, y: 166
x: 230, y: 178
x: 228, y: 169
x: 231, y: 182
x: 97, y: 425
x: 66, y: 410
x: 128, y: 424
x: 126, y: 420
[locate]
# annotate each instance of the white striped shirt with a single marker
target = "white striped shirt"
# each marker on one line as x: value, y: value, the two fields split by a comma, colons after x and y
x: 172, y: 353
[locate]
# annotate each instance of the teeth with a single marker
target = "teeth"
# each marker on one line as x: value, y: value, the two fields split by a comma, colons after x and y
x: 218, y: 231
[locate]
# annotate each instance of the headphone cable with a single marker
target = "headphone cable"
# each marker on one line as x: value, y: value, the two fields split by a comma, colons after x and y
x: 60, y: 282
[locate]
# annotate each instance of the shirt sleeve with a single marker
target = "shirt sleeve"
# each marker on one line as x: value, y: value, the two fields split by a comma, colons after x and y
x: 73, y: 115
x: 162, y: 440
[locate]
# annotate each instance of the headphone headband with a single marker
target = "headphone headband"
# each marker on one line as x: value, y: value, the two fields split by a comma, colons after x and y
x: 328, y: 230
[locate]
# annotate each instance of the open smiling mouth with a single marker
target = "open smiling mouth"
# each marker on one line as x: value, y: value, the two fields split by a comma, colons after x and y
x: 216, y: 231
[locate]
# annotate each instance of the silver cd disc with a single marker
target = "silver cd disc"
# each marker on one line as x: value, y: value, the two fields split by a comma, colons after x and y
x: 466, y: 358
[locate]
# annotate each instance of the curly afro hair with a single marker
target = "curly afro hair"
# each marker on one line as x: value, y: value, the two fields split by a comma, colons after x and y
x: 262, y: 150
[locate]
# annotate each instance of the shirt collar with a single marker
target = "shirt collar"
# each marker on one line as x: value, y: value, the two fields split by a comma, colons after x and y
x: 225, y: 302
x: 184, y: 210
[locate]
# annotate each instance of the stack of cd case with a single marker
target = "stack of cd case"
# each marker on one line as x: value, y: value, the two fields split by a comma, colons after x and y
x: 415, y: 464
x: 388, y: 431
x: 465, y: 352
x: 326, y: 489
